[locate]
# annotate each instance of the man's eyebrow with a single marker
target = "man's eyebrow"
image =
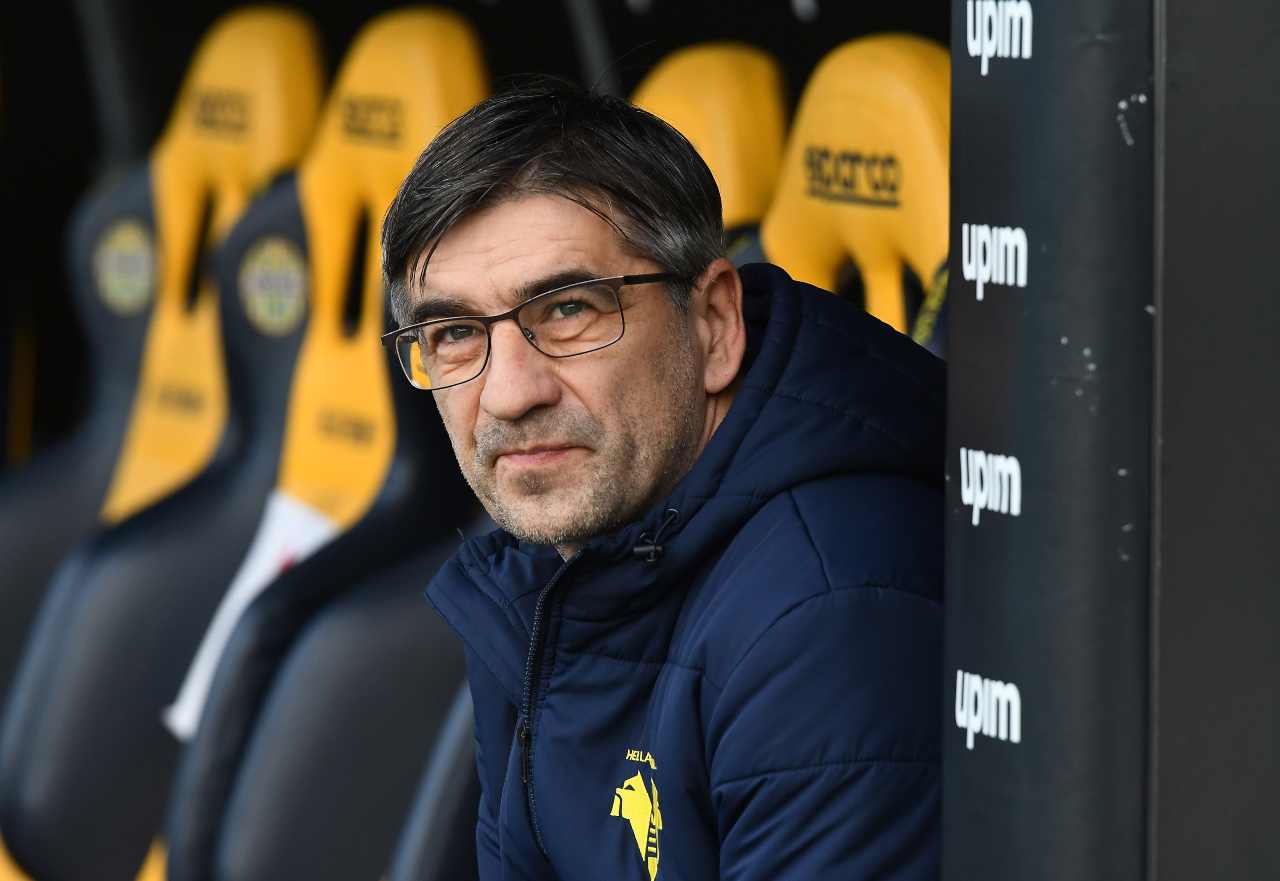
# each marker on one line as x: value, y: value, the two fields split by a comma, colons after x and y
x: 441, y: 306
x: 433, y: 306
x: 558, y: 279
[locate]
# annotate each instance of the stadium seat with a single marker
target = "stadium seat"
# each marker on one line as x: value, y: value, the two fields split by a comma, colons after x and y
x: 325, y: 707
x: 57, y: 498
x: 865, y: 179
x: 367, y: 472
x: 438, y: 841
x: 727, y: 99
x: 156, y: 400
x: 83, y: 766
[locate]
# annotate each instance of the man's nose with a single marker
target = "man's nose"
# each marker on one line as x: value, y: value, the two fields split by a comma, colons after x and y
x: 518, y: 378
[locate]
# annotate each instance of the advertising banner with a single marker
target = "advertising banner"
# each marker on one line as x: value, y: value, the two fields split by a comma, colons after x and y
x: 1048, y: 460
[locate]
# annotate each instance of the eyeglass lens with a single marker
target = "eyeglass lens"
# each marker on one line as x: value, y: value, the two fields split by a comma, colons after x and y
x: 572, y: 321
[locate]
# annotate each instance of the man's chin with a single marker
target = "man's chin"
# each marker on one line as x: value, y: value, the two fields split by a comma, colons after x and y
x: 556, y: 510
x: 536, y: 517
x: 542, y: 532
x: 542, y: 520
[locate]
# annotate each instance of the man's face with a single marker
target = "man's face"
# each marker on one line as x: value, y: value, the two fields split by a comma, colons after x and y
x: 560, y: 450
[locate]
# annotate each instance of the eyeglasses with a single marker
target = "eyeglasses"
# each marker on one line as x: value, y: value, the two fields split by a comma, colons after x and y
x: 571, y: 320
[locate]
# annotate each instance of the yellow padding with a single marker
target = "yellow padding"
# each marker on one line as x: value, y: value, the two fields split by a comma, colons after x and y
x: 246, y: 111
x: 866, y: 170
x: 9, y: 870
x: 408, y: 74
x: 727, y: 99
x: 154, y: 868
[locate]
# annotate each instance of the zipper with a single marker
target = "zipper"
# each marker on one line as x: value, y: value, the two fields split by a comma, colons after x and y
x: 524, y: 730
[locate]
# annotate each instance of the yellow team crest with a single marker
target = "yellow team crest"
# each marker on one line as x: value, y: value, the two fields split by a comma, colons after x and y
x: 637, y: 803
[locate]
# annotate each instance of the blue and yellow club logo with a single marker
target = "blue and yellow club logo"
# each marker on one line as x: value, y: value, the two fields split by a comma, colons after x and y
x: 124, y: 266
x: 273, y: 285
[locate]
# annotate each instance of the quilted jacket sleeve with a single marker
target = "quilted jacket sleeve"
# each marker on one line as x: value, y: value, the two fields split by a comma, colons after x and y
x: 824, y: 743
x: 495, y: 725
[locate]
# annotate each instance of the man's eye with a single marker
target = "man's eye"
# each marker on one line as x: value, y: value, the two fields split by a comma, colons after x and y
x: 570, y: 308
x: 456, y: 333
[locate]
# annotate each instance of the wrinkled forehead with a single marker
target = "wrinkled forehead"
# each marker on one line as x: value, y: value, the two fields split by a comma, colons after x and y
x: 496, y: 250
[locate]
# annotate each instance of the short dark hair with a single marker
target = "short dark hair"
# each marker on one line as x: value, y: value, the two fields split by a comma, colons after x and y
x: 550, y: 137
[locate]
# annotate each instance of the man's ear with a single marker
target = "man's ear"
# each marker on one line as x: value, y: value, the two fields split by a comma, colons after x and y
x: 716, y: 312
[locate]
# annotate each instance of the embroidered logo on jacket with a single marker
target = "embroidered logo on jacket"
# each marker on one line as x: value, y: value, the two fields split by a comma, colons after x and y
x: 637, y: 803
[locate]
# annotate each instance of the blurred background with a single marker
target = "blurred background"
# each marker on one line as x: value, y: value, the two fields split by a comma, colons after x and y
x: 110, y: 71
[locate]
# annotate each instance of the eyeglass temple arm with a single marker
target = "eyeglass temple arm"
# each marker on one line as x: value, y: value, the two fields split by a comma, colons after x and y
x: 648, y: 277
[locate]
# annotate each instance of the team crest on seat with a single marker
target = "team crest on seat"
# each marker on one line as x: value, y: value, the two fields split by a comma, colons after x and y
x: 637, y: 802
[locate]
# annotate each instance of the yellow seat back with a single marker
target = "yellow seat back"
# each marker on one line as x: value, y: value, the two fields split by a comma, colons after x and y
x: 727, y: 99
x: 866, y: 172
x: 246, y: 111
x: 408, y: 74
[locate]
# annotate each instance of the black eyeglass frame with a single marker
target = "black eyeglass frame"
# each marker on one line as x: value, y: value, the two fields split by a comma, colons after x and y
x: 615, y: 282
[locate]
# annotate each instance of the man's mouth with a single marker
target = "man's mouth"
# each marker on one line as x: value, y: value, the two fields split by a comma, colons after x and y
x: 538, y: 455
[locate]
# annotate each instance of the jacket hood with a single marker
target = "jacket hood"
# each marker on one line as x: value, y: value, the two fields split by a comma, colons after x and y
x: 827, y: 390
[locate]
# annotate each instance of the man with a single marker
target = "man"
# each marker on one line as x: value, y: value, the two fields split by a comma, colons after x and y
x: 705, y: 642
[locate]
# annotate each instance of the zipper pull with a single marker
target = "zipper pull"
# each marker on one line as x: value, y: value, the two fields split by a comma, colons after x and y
x: 522, y: 733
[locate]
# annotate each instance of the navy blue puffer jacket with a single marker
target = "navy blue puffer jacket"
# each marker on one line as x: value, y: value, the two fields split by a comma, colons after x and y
x: 761, y: 698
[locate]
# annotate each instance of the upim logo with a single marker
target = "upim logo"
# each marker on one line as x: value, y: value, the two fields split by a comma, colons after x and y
x: 993, y: 255
x: 998, y: 29
x: 990, y: 481
x: 988, y: 706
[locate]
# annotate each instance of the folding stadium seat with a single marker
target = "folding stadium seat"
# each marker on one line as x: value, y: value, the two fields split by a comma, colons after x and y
x: 865, y: 178
x: 331, y: 693
x: 318, y: 689
x: 156, y: 394
x: 158, y: 414
x: 438, y: 841
x: 727, y: 99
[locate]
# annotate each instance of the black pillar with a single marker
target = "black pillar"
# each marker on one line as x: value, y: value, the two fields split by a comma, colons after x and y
x: 1049, y: 441
x: 1113, y: 633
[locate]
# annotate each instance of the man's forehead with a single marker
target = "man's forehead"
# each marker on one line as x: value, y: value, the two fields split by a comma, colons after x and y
x: 494, y: 251
x: 543, y: 220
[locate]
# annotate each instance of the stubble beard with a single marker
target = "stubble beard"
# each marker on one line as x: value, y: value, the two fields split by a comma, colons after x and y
x: 629, y: 472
